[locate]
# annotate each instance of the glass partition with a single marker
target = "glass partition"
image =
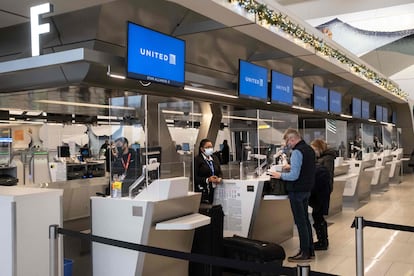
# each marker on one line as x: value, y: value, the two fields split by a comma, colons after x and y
x: 332, y: 131
x: 367, y: 139
x: 255, y: 137
x: 387, y: 136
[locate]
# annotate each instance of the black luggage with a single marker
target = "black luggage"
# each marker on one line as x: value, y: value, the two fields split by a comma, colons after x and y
x: 8, y: 180
x: 208, y: 240
x: 257, y: 251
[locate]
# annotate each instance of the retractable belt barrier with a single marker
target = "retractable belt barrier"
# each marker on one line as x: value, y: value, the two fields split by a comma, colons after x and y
x: 359, y: 223
x: 192, y: 257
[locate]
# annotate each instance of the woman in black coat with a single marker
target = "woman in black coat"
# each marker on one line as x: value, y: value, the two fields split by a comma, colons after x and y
x: 207, y: 171
x: 321, y: 192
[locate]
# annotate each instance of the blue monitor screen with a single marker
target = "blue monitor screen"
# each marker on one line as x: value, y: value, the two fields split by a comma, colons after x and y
x: 155, y: 57
x: 320, y: 98
x: 186, y: 146
x: 385, y: 114
x: 378, y: 113
x: 394, y: 117
x: 282, y: 88
x: 335, y: 102
x: 356, y: 108
x: 364, y: 110
x: 252, y: 81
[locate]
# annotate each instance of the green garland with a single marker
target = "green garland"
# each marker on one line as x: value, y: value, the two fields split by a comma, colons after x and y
x: 282, y: 21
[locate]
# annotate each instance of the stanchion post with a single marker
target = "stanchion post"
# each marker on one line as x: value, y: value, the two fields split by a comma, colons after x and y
x: 53, y: 250
x: 303, y: 270
x: 359, y: 238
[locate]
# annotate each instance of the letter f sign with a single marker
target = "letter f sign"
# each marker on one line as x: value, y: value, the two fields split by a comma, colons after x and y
x: 35, y: 28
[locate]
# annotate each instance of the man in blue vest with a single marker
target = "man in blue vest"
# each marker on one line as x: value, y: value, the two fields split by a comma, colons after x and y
x: 299, y: 177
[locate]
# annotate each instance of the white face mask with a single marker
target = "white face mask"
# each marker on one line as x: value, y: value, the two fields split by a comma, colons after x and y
x: 208, y: 151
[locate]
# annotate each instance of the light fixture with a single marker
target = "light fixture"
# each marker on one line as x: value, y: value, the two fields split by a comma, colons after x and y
x: 346, y: 116
x: 302, y: 108
x: 112, y: 75
x: 173, y: 112
x: 208, y: 91
x: 33, y: 112
x: 15, y: 112
x: 372, y: 120
x: 86, y: 105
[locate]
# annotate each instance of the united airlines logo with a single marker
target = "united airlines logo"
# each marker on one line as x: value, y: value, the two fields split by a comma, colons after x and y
x: 254, y: 81
x: 170, y: 58
x: 283, y: 88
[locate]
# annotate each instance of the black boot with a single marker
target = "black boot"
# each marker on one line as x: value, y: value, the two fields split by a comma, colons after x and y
x: 322, y: 235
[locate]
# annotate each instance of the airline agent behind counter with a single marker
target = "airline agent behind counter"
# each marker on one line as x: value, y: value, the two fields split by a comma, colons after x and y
x: 207, y: 171
x: 126, y: 164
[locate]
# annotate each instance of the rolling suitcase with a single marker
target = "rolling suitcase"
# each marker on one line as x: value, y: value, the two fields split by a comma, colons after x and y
x: 208, y: 240
x: 245, y: 249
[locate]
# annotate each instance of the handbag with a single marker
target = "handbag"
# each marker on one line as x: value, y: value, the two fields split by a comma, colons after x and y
x: 275, y: 187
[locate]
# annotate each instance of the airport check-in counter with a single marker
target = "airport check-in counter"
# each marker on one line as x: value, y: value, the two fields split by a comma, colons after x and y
x: 163, y: 215
x: 26, y: 214
x: 381, y: 171
x: 358, y: 185
x: 249, y: 214
x: 396, y: 166
x: 340, y: 178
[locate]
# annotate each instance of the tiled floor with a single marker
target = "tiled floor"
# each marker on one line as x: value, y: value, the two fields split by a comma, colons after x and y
x: 386, y: 252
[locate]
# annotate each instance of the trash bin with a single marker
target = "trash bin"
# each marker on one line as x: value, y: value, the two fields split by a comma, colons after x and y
x: 67, y: 267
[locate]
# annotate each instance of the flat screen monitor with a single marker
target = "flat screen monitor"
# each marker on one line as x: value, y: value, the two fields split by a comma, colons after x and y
x: 252, y: 81
x: 335, y: 102
x: 63, y: 151
x: 378, y: 113
x: 385, y: 114
x: 85, y: 152
x: 186, y: 146
x: 282, y: 88
x: 320, y: 98
x: 155, y: 57
x: 365, y: 110
x: 394, y: 117
x: 356, y: 108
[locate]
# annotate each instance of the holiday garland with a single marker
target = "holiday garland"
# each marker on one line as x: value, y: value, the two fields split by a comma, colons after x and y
x: 277, y: 19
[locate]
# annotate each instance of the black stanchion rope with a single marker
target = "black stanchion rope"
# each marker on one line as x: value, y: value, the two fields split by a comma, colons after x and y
x: 384, y: 225
x: 192, y: 257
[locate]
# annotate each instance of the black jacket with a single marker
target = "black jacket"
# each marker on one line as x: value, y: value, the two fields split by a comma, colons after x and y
x: 327, y: 159
x: 202, y: 171
x: 306, y: 178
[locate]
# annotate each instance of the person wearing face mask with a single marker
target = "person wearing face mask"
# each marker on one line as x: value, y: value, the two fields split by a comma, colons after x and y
x: 321, y: 191
x: 126, y: 164
x: 207, y: 171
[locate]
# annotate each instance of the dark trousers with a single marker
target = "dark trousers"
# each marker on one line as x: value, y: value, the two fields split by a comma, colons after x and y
x: 299, y: 205
x: 318, y: 214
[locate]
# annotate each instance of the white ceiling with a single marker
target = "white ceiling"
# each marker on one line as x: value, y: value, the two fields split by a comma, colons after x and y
x: 370, y: 15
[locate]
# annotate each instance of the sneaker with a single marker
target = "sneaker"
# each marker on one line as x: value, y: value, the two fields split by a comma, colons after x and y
x: 299, y: 258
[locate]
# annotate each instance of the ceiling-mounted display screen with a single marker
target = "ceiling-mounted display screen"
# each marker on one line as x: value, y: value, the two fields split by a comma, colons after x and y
x: 385, y: 114
x: 335, y: 102
x: 155, y: 57
x: 320, y: 98
x: 282, y: 88
x: 356, y: 108
x: 394, y: 117
x: 364, y: 110
x: 252, y: 81
x: 378, y: 113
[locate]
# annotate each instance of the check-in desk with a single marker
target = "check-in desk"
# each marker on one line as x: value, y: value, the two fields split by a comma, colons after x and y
x: 396, y: 166
x: 358, y: 186
x: 163, y: 215
x: 26, y: 214
x: 340, y: 179
x: 381, y: 171
x: 249, y: 214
